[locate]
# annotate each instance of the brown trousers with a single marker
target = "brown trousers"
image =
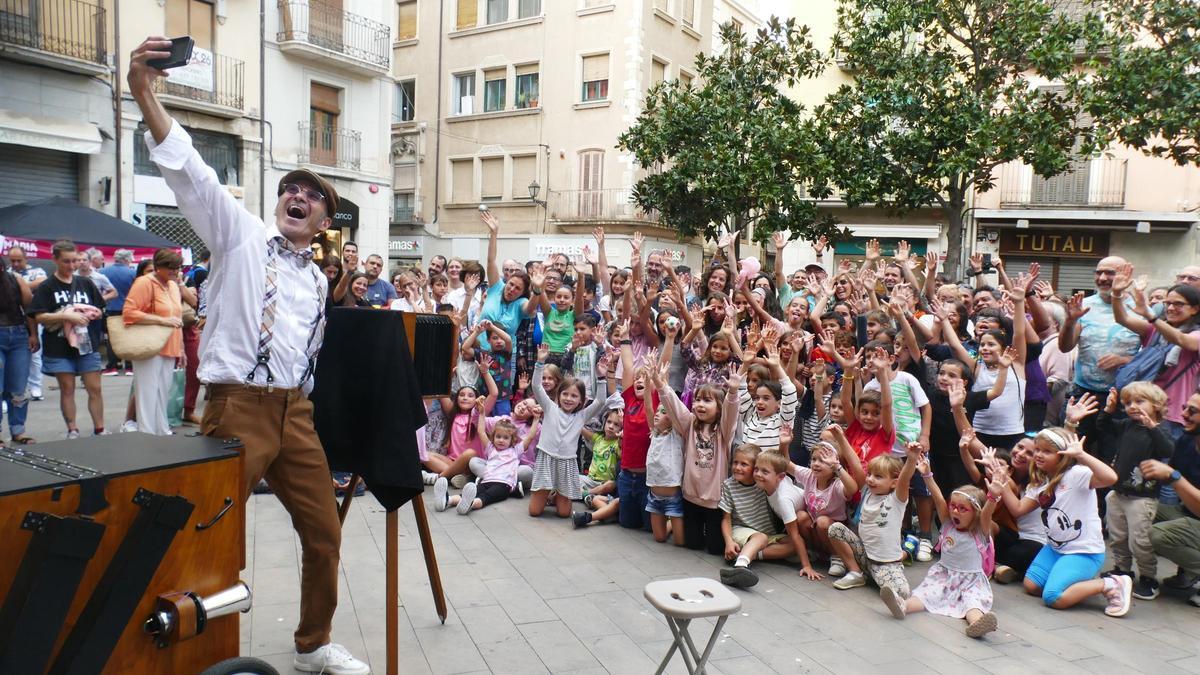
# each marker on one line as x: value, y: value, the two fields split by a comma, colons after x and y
x: 281, y: 445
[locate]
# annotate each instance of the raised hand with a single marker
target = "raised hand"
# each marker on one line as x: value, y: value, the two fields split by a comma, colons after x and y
x: 1008, y: 356
x: 543, y: 352
x: 1078, y: 409
x: 931, y: 263
x: 1075, y: 308
x: 873, y: 249
x: 537, y: 275
x: 903, y: 251
x: 1035, y: 270
x: 977, y: 262
x: 472, y: 282
x: 1123, y: 279
x: 523, y: 381
x: 844, y: 266
x: 780, y: 240
x: 636, y: 243
x: 484, y: 362
x: 598, y: 235
x: 726, y: 240
x: 490, y: 220
x: 1074, y: 445
x: 957, y: 392
x: 1044, y: 290
x: 880, y: 361
x: 820, y: 244
x: 1110, y: 404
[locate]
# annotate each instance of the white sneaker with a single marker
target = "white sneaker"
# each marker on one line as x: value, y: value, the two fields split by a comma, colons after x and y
x: 441, y: 494
x: 72, y: 434
x: 851, y: 580
x: 427, y: 477
x: 331, y: 659
x: 128, y: 426
x: 467, y: 498
x: 458, y: 481
x: 837, y: 568
x: 925, y: 551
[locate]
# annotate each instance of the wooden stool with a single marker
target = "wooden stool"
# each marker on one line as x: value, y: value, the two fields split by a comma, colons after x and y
x: 680, y: 601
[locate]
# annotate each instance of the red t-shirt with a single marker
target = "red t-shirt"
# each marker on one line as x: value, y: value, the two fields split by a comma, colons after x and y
x: 635, y: 440
x: 869, y: 444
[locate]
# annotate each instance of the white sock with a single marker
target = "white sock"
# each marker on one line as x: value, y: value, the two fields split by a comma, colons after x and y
x: 742, y: 561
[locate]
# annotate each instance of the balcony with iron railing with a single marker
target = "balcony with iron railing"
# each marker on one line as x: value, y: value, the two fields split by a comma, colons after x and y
x: 1088, y: 184
x: 215, y: 88
x: 313, y: 29
x: 64, y: 34
x: 600, y: 206
x: 330, y: 146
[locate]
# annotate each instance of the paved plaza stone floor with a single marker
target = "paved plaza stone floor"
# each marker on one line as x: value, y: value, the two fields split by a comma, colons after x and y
x: 535, y: 596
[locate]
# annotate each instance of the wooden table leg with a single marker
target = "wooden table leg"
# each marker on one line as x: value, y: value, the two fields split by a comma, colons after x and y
x: 431, y: 566
x: 391, y: 592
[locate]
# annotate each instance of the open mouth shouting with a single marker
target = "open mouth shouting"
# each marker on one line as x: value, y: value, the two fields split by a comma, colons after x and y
x: 298, y: 210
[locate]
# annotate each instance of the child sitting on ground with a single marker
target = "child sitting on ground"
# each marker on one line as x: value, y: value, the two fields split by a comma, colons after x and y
x: 786, y: 500
x: 747, y: 527
x: 499, y: 477
x: 833, y: 475
x: 601, y: 477
x: 875, y: 550
x: 957, y: 584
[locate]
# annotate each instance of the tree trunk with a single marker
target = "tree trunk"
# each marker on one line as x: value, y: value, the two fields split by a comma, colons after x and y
x: 954, y: 240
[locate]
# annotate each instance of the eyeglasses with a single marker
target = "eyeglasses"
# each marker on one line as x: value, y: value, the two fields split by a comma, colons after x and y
x: 1191, y: 410
x: 959, y: 508
x: 1186, y: 277
x: 311, y: 195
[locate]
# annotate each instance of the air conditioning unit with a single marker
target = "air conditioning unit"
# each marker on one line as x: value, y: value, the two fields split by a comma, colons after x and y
x: 466, y: 105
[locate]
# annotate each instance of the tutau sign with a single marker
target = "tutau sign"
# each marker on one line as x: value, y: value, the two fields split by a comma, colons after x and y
x: 1054, y: 243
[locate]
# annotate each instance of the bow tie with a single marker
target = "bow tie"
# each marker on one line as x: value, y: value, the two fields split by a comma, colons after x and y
x: 284, y: 246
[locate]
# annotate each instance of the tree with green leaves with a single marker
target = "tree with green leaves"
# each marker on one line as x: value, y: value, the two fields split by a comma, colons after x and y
x: 1144, y: 87
x: 940, y: 98
x: 733, y: 150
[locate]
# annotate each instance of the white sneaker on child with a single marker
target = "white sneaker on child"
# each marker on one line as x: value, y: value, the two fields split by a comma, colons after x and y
x: 441, y: 494
x: 894, y: 602
x: 851, y: 580
x: 837, y: 568
x: 427, y: 477
x: 925, y: 551
x: 467, y: 498
x: 1118, y: 590
x: 458, y: 481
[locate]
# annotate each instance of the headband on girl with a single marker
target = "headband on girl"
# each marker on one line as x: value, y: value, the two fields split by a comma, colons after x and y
x: 1054, y: 438
x: 967, y: 497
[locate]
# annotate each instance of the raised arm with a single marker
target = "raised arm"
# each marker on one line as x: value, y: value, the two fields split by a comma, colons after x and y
x: 912, y: 453
x: 781, y: 240
x: 939, y: 500
x: 493, y: 225
x: 1122, y: 315
x: 485, y: 362
x: 603, y: 277
x: 1068, y: 335
x: 882, y: 366
x: 854, y: 475
x: 1017, y: 296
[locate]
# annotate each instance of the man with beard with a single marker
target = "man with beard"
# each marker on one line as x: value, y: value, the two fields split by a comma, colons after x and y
x: 1176, y: 536
x: 265, y: 323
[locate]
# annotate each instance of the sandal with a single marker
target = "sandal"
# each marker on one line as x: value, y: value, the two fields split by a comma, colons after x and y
x: 24, y: 440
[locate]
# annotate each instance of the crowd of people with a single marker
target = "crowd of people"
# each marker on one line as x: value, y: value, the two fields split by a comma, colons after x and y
x: 850, y: 421
x: 55, y: 324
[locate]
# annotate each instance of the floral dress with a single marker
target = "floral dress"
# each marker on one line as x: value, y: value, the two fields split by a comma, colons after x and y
x: 956, y: 583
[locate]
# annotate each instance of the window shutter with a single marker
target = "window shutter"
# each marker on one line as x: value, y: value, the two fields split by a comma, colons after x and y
x: 468, y: 14
x: 462, y: 174
x: 325, y: 98
x: 658, y: 71
x: 407, y: 28
x: 523, y: 172
x: 493, y: 178
x: 689, y: 12
x: 527, y: 69
x: 591, y: 168
x: 595, y: 67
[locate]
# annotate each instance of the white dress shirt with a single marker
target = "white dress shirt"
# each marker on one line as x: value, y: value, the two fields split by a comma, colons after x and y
x: 238, y: 242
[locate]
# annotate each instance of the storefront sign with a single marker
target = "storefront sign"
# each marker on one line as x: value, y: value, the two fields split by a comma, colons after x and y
x: 404, y: 247
x: 1054, y: 243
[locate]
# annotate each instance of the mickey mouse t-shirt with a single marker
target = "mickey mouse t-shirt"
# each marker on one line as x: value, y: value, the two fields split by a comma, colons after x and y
x: 1072, y: 520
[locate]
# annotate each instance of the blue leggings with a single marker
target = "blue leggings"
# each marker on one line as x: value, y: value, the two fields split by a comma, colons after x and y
x: 1055, y: 572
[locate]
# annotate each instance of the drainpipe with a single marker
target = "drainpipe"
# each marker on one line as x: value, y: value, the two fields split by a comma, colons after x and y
x: 117, y: 115
x: 437, y: 123
x: 262, y: 109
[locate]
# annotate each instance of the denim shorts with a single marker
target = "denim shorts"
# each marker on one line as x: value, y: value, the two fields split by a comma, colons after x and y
x: 671, y: 507
x: 78, y: 365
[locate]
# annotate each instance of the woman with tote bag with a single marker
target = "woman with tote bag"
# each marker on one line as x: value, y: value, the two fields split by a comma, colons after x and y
x: 154, y: 300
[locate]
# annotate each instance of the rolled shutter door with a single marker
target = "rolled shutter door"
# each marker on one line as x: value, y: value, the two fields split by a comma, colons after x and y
x: 29, y: 174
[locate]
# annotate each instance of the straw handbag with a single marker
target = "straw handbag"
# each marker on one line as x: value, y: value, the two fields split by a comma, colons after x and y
x: 138, y: 341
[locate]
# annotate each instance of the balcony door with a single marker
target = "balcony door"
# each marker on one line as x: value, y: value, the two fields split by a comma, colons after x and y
x: 325, y: 19
x: 591, y: 183
x: 324, y: 110
x: 1067, y: 188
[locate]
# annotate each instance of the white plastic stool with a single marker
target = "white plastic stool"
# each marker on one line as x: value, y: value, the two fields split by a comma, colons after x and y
x: 680, y: 601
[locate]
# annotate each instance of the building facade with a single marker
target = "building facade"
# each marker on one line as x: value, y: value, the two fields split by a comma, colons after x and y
x: 517, y: 105
x: 57, y: 129
x: 215, y: 98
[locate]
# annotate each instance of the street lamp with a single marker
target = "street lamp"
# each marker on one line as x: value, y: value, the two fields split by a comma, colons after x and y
x: 534, y: 189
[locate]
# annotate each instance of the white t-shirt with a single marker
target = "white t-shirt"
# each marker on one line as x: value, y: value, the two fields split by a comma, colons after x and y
x: 1073, y: 520
x: 879, y: 526
x: 907, y: 400
x: 1006, y: 415
x: 787, y: 500
x: 664, y: 460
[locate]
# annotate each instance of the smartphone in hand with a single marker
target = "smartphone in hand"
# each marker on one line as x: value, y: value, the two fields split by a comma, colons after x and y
x: 181, y: 53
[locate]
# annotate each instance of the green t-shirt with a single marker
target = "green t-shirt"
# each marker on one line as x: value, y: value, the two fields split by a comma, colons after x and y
x: 559, y: 329
x: 606, y: 455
